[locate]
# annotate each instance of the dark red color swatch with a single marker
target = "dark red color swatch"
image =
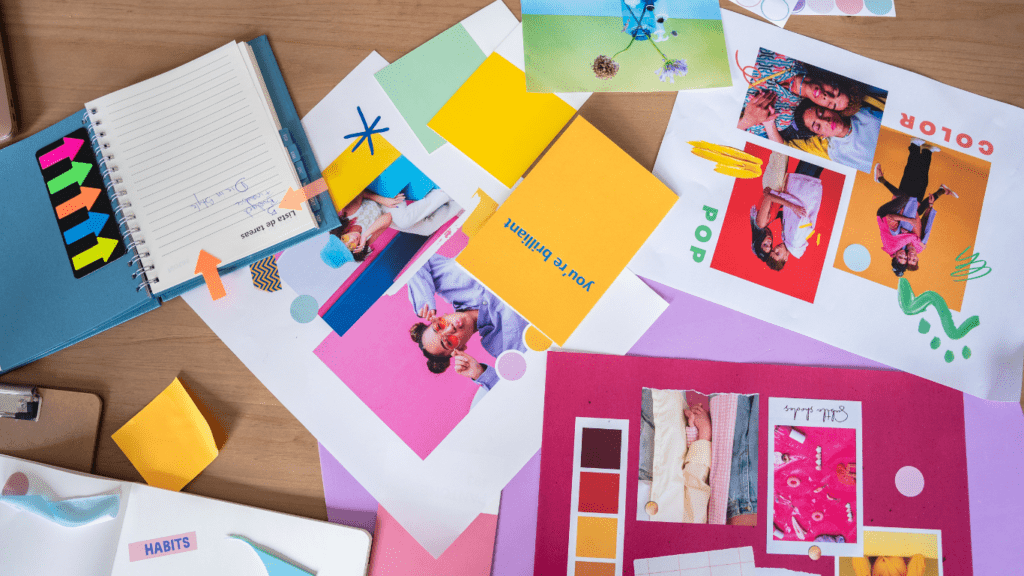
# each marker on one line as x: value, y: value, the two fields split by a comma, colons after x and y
x: 601, y: 448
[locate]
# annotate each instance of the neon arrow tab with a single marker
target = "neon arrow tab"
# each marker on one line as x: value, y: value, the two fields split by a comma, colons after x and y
x: 294, y: 199
x: 207, y: 266
x: 78, y: 172
x: 91, y: 226
x: 85, y: 199
x: 68, y: 149
x: 102, y: 250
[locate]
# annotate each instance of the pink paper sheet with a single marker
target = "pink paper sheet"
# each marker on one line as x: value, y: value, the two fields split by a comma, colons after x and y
x: 696, y: 328
x: 384, y: 367
x: 907, y: 421
x: 396, y: 552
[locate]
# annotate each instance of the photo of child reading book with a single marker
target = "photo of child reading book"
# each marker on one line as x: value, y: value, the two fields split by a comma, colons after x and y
x: 812, y: 109
x: 777, y: 228
x: 684, y: 477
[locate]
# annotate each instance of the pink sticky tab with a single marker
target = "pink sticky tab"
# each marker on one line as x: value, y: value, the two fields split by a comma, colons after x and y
x: 162, y: 547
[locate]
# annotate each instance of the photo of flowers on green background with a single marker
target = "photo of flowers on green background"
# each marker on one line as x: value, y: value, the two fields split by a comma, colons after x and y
x: 623, y: 45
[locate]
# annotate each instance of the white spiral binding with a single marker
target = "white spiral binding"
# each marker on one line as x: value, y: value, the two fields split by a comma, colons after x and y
x: 121, y: 206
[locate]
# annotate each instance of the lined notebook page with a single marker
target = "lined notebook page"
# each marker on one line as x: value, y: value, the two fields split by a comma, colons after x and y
x: 201, y: 161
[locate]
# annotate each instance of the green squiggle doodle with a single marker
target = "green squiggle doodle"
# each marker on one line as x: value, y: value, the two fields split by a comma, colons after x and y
x: 915, y: 305
x: 972, y: 268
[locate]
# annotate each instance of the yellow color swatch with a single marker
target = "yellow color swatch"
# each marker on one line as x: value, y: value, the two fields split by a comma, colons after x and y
x: 169, y: 442
x: 351, y: 172
x: 596, y: 537
x: 567, y: 232
x: 497, y: 123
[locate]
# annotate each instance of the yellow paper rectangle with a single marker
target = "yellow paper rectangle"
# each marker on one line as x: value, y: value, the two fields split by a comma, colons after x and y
x: 169, y: 442
x: 902, y: 544
x: 569, y: 229
x: 351, y: 172
x: 497, y: 123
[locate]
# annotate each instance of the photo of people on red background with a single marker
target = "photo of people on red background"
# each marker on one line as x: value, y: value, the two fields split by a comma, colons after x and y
x: 777, y: 228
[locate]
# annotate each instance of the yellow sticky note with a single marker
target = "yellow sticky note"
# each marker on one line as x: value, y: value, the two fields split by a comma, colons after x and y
x: 169, y: 442
x: 567, y: 232
x: 497, y: 123
x: 351, y: 172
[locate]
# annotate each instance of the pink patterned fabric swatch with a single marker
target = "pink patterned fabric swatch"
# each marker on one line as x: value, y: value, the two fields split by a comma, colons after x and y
x: 723, y: 428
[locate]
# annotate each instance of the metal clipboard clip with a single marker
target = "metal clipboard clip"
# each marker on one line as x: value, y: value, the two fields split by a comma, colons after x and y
x: 19, y: 402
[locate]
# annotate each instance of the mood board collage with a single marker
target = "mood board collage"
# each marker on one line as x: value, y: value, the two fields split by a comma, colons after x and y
x: 756, y: 351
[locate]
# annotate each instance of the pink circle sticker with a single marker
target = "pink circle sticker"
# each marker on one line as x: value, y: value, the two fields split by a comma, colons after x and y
x: 909, y: 481
x: 511, y: 365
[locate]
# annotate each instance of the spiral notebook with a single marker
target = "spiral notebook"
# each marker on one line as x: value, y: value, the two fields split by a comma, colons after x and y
x: 107, y: 211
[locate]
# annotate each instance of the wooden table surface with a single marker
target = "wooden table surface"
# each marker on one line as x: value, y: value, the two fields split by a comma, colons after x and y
x: 62, y: 54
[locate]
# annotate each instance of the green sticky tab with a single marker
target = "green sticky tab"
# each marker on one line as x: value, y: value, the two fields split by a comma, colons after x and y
x: 420, y: 82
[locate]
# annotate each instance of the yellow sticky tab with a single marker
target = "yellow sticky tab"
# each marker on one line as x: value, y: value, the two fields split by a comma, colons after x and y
x: 497, y: 123
x: 351, y: 172
x: 567, y: 232
x: 169, y: 442
x: 481, y: 214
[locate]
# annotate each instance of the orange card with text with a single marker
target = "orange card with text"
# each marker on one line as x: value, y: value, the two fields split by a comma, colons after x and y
x: 563, y: 236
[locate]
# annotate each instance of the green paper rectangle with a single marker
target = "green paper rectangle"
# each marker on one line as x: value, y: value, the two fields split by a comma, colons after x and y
x: 420, y: 82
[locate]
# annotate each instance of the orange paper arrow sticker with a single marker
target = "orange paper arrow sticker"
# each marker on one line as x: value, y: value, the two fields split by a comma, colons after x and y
x: 85, y: 199
x: 294, y: 199
x: 207, y: 266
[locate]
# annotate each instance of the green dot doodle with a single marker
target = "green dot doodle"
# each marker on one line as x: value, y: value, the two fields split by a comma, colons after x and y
x: 911, y: 305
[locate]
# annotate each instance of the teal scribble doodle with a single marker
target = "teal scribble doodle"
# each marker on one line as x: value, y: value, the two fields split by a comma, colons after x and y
x: 970, y: 268
x: 911, y: 305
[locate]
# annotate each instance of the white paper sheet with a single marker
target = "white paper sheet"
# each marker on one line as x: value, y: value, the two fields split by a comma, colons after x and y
x: 852, y: 311
x: 434, y: 498
x: 728, y: 562
x: 32, y: 546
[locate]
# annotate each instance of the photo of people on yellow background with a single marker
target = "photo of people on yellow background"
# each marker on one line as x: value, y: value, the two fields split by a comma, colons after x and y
x: 914, y: 216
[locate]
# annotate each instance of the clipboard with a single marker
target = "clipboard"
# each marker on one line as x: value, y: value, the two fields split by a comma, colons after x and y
x: 55, y: 427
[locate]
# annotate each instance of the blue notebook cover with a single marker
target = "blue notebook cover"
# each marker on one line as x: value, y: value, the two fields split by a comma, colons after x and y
x: 65, y: 270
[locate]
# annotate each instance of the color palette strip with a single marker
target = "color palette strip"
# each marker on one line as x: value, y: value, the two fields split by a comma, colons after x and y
x: 597, y: 521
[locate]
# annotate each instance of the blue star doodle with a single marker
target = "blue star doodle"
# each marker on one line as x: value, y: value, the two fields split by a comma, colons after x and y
x: 367, y: 133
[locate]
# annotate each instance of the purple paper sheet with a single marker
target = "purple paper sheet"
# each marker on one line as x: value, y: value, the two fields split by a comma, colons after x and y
x: 995, y: 473
x: 347, y: 501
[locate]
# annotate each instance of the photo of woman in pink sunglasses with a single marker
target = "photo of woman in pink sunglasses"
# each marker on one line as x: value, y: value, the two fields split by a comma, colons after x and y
x: 443, y: 339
